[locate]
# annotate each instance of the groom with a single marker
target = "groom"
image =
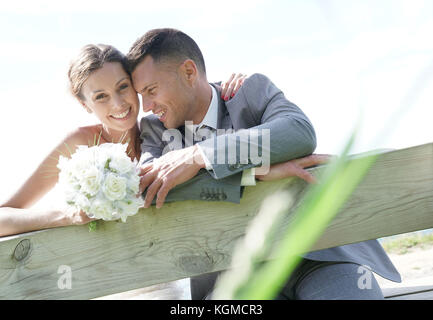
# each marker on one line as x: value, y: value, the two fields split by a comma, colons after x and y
x: 169, y: 73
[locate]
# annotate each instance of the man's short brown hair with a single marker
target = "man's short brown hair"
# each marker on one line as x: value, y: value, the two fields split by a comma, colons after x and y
x: 165, y: 45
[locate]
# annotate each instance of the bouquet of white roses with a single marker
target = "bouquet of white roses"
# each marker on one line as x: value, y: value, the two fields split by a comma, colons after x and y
x: 102, y: 181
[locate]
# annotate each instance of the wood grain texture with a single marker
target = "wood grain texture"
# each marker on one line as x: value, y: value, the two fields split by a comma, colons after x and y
x: 189, y: 238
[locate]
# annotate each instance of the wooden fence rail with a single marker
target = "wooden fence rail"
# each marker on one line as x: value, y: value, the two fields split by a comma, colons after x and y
x: 189, y: 238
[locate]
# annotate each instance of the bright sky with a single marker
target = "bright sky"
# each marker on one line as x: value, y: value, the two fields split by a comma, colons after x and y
x: 333, y: 58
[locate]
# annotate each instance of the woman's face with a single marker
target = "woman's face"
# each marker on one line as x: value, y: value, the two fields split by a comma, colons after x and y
x: 108, y: 93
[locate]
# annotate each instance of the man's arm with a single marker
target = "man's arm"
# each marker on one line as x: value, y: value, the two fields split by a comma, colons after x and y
x: 290, y: 134
x: 279, y: 122
x: 202, y: 186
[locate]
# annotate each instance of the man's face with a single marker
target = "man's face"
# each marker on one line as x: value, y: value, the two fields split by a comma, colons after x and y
x: 163, y: 91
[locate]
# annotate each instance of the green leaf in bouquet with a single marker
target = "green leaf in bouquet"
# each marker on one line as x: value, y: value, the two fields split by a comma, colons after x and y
x: 92, y: 226
x: 107, y: 164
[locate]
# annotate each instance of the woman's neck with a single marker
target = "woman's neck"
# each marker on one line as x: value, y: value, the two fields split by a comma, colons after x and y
x: 131, y: 137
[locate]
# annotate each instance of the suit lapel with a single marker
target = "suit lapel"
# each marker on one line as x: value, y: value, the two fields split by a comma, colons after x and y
x: 224, y: 120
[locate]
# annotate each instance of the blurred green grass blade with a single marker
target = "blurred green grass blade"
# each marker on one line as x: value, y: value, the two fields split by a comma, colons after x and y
x: 321, y: 203
x: 312, y: 220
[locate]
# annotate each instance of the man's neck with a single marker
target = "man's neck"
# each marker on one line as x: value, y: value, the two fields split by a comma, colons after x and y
x: 203, y: 100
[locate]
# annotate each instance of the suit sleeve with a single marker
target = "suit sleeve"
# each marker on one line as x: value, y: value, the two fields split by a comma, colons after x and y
x: 282, y: 131
x: 152, y: 145
x: 202, y: 187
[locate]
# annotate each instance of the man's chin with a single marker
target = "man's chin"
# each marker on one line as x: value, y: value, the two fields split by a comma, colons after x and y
x: 166, y: 125
x: 171, y: 125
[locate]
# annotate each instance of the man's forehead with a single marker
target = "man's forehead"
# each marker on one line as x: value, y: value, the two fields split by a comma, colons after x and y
x: 144, y: 73
x: 149, y: 71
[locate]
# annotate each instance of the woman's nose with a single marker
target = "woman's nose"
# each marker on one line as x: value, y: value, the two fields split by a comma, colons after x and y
x: 118, y: 102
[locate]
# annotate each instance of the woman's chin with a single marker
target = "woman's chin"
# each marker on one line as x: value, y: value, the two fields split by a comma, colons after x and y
x: 121, y: 125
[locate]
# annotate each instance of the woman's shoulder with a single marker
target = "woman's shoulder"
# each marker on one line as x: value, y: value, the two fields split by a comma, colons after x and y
x: 84, y: 135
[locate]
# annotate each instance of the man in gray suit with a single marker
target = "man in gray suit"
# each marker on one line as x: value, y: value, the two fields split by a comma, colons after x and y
x: 168, y: 71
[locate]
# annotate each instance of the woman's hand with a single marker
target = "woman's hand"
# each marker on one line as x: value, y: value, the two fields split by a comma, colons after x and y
x: 295, y: 168
x: 74, y: 217
x: 229, y: 88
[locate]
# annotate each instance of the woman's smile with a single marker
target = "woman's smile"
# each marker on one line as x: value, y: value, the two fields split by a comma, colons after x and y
x: 122, y: 116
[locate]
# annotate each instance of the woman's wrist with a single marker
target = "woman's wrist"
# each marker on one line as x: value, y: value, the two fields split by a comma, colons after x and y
x: 58, y: 218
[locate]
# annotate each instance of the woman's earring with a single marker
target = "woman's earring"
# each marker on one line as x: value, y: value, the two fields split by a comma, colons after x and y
x: 85, y: 107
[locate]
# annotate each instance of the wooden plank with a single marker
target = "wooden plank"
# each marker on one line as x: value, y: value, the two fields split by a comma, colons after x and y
x: 175, y: 290
x: 401, y: 291
x: 395, y: 197
x: 417, y: 294
x: 192, y: 237
x: 422, y: 285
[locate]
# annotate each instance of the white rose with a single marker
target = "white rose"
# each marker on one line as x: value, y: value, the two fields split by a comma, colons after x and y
x: 66, y: 174
x: 101, y: 209
x: 101, y: 157
x: 114, y: 187
x: 80, y: 164
x: 122, y: 164
x: 114, y: 149
x: 90, y: 180
x: 134, y: 182
x: 130, y: 206
x: 82, y: 202
x: 70, y: 194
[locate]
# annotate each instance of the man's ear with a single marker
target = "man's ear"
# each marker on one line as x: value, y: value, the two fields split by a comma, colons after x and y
x: 189, y: 71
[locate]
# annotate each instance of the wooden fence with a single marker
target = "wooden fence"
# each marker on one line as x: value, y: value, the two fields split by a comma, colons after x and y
x: 189, y: 238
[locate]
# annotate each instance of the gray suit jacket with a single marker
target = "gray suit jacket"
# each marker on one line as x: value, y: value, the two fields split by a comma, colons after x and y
x: 259, y: 104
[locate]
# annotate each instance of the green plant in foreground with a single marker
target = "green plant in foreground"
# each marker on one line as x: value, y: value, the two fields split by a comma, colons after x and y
x: 252, y: 279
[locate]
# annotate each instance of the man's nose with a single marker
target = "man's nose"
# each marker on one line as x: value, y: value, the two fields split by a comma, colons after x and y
x: 147, y: 104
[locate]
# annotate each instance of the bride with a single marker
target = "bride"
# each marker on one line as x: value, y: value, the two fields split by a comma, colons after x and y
x: 100, y: 81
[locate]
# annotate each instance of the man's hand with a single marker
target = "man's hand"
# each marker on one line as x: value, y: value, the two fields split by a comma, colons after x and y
x: 295, y: 168
x: 166, y: 172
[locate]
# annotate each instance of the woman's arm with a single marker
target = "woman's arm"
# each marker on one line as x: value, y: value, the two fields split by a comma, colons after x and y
x: 15, y: 220
x: 16, y: 216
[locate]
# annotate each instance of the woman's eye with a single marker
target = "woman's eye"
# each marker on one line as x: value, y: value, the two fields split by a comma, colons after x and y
x: 123, y: 86
x: 152, y: 91
x: 100, y: 96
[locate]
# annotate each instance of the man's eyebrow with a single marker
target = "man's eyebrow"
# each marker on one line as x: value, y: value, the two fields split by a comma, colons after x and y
x: 149, y: 85
x: 121, y: 80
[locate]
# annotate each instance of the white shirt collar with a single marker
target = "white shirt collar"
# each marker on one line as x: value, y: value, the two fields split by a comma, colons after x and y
x: 211, y: 117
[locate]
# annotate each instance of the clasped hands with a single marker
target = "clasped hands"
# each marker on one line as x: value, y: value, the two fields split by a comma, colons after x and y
x: 179, y: 166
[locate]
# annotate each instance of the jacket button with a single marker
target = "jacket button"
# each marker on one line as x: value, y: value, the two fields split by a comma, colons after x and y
x: 234, y: 166
x: 222, y: 196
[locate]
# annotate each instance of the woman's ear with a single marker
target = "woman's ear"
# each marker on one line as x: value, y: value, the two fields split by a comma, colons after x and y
x: 85, y: 106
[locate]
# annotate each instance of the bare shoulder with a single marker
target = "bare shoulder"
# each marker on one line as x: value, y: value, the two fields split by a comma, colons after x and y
x: 87, y: 135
